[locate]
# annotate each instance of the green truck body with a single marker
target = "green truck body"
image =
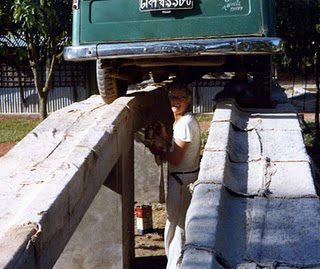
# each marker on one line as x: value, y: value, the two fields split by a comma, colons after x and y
x: 130, y: 38
x: 121, y: 21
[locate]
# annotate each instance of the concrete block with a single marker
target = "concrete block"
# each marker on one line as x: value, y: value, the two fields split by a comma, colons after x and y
x: 278, y: 118
x: 217, y: 222
x: 212, y: 166
x: 292, y: 179
x: 283, y: 146
x: 274, y: 227
x: 244, y: 146
x: 223, y: 111
x: 241, y: 118
x: 21, y: 236
x: 288, y: 179
x: 218, y: 136
x: 198, y: 258
x: 202, y: 219
x: 284, y: 230
x: 275, y: 121
x: 244, y: 178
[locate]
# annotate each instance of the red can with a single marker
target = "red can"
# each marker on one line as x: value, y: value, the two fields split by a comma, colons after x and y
x: 143, y: 215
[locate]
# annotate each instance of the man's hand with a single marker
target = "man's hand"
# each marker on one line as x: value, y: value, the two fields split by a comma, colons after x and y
x: 156, y: 150
x: 163, y: 132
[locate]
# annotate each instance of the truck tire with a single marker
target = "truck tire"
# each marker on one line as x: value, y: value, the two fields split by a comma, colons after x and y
x: 106, y: 83
x: 110, y: 88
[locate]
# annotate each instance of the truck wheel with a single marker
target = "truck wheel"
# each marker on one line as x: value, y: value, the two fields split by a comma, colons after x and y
x: 110, y: 88
x: 262, y: 78
x: 106, y: 84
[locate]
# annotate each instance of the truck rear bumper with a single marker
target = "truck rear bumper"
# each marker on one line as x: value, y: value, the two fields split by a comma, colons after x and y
x: 175, y: 48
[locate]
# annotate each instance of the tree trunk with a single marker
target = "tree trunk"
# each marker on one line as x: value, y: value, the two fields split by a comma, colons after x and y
x: 43, y: 106
x: 43, y: 94
x: 42, y: 90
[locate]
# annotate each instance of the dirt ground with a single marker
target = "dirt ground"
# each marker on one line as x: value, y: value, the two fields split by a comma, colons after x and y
x: 149, y: 247
x: 5, y: 147
x: 151, y: 244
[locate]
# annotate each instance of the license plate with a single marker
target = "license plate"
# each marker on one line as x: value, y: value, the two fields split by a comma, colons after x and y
x: 154, y: 5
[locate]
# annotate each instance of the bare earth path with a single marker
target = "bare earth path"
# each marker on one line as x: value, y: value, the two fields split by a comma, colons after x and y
x: 5, y: 147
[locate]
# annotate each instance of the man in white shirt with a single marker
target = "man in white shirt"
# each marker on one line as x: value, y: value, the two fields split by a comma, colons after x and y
x: 183, y: 159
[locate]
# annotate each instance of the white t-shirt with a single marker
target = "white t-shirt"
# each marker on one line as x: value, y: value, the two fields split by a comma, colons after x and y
x: 187, y: 129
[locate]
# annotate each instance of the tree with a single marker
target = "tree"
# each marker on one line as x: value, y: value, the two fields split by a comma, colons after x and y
x: 298, y: 26
x: 45, y: 26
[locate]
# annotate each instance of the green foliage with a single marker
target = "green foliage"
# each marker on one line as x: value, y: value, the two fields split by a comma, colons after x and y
x: 204, y: 120
x: 9, y: 53
x: 203, y: 140
x: 204, y: 117
x: 298, y: 25
x: 45, y: 26
x: 5, y: 14
x: 14, y: 129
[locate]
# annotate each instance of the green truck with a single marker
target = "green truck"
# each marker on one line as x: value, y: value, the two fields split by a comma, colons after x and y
x: 185, y: 38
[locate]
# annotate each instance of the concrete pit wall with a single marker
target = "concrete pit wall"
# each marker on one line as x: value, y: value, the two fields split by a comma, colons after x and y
x: 255, y: 204
x: 52, y: 176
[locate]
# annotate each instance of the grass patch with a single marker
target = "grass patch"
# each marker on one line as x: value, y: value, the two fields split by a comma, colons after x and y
x: 312, y: 144
x: 204, y: 118
x: 309, y: 134
x: 203, y: 140
x: 13, y: 129
x: 309, y: 137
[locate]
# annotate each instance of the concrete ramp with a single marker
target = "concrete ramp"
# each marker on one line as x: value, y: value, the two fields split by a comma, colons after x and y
x: 255, y: 203
x: 50, y: 178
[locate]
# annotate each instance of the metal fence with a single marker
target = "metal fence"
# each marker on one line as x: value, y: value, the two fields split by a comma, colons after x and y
x: 204, y: 92
x: 59, y: 97
x: 69, y: 85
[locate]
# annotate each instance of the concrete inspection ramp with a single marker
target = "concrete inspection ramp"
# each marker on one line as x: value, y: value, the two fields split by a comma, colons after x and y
x: 49, y: 179
x: 255, y: 204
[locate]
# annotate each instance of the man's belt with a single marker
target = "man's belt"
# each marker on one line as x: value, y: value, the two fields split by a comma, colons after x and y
x: 175, y: 175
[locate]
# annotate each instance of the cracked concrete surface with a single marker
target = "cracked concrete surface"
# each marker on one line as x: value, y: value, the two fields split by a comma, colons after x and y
x: 255, y: 202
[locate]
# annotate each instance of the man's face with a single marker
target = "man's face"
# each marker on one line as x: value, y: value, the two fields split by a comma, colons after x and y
x: 179, y: 101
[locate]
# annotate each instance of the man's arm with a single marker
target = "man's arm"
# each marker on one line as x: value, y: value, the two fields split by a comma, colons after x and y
x: 179, y: 149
